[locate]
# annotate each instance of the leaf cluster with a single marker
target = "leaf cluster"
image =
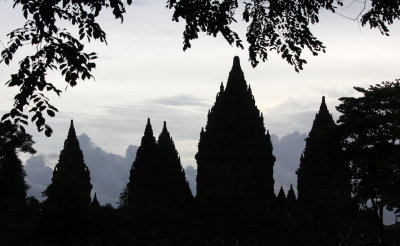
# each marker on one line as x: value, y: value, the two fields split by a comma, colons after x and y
x: 55, y: 49
x: 282, y: 26
x: 370, y: 125
x: 13, y: 139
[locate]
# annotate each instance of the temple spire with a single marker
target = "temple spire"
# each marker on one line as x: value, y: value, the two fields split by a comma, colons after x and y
x: 291, y: 196
x: 148, y: 130
x: 236, y: 77
x: 323, y: 106
x: 281, y: 194
x: 71, y: 131
x: 236, y: 63
x: 164, y: 133
x: 227, y: 148
x: 95, y: 202
x: 148, y: 138
x: 323, y: 118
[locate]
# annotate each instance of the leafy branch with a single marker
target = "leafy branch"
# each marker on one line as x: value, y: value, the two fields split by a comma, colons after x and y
x: 56, y: 49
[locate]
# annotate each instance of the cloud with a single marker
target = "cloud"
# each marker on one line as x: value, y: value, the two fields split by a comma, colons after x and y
x: 180, y: 100
x: 38, y: 175
x: 109, y: 172
x: 287, y: 151
x: 290, y: 116
x: 297, y: 114
x: 191, y: 174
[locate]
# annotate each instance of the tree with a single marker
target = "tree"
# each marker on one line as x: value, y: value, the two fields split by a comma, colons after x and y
x: 55, y: 49
x: 279, y: 26
x: 370, y: 126
x: 12, y: 175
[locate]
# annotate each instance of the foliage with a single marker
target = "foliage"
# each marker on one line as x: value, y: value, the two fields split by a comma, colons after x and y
x: 56, y: 49
x: 12, y: 184
x: 371, y: 129
x: 282, y: 26
x: 11, y: 138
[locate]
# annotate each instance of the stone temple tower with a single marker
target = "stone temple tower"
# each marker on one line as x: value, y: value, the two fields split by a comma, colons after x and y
x: 235, y: 161
x: 323, y: 181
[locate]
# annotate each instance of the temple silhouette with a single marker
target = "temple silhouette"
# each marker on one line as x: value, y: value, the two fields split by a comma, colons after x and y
x: 235, y: 202
x: 235, y: 185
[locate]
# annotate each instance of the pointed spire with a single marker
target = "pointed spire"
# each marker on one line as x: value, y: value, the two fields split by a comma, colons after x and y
x: 236, y: 76
x: 71, y: 131
x: 95, y: 202
x: 221, y: 87
x: 148, y: 131
x: 323, y: 106
x: 148, y: 134
x: 291, y: 196
x: 71, y: 151
x: 236, y: 63
x: 164, y: 133
x: 281, y: 194
x: 323, y: 118
x: 71, y: 177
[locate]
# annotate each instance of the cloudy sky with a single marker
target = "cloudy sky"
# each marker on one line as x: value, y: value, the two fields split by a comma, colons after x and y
x: 143, y: 72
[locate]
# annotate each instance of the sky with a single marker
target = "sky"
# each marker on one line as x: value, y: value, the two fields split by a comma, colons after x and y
x: 143, y: 72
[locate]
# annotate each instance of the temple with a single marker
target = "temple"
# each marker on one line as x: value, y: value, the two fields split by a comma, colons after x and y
x: 71, y: 177
x: 235, y: 202
x: 323, y: 185
x: 235, y: 161
x: 157, y: 190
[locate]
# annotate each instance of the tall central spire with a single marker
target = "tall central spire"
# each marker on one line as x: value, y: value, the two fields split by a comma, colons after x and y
x: 236, y: 63
x: 235, y: 161
x: 236, y: 76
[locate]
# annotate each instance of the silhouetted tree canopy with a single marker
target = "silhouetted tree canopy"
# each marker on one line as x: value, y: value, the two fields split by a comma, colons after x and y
x: 371, y: 129
x: 279, y: 26
x: 13, y: 187
x: 12, y: 138
x: 55, y: 49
